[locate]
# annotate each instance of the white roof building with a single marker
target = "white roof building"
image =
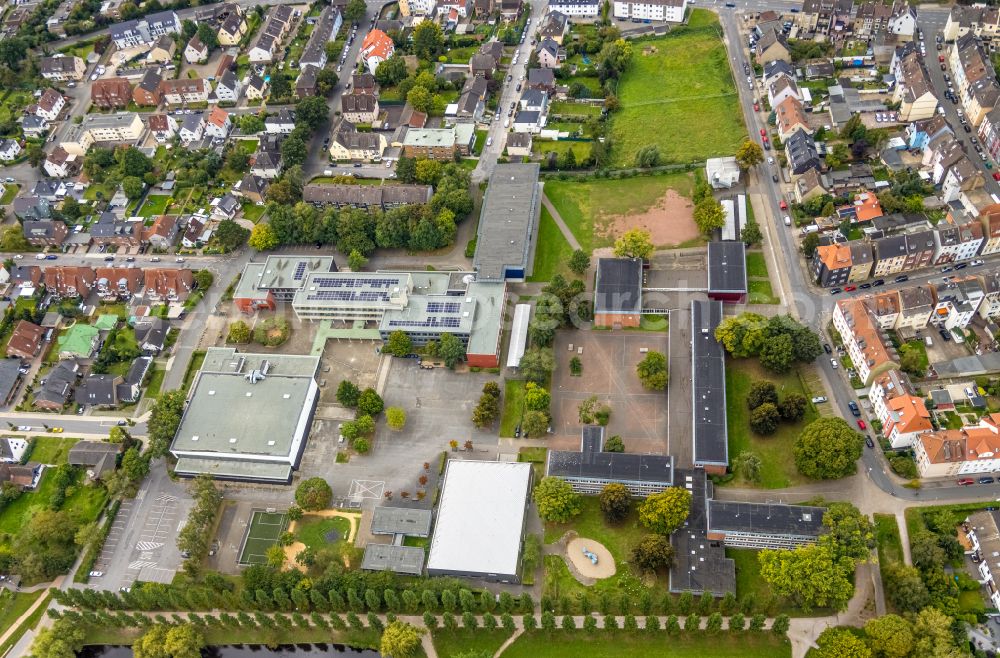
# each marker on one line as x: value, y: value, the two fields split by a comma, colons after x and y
x: 722, y: 173
x: 481, y: 519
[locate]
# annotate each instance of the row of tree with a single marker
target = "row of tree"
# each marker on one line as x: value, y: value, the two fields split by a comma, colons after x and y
x: 766, y: 410
x: 779, y: 341
x: 194, y: 539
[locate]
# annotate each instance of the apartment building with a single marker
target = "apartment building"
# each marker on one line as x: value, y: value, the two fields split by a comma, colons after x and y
x: 903, y: 415
x: 971, y: 450
x: 973, y: 77
x: 868, y: 346
x: 185, y: 90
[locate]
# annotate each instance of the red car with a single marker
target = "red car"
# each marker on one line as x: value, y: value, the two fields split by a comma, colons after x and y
x: 996, y: 175
x: 763, y: 133
x: 783, y: 205
x: 756, y: 107
x: 861, y: 424
x: 941, y: 58
x: 966, y: 482
x: 850, y: 288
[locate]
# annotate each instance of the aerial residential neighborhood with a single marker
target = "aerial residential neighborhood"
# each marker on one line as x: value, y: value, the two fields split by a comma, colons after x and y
x: 493, y: 328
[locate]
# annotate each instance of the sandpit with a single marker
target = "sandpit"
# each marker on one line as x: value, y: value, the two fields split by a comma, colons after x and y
x: 296, y: 547
x: 670, y: 221
x: 605, y: 567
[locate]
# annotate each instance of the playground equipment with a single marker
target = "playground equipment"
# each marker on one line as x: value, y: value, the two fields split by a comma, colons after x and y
x: 590, y: 556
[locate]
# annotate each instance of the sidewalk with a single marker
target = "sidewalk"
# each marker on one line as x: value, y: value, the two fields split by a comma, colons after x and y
x: 30, y: 611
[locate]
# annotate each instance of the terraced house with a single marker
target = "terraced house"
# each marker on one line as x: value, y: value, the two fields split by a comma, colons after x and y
x: 176, y: 92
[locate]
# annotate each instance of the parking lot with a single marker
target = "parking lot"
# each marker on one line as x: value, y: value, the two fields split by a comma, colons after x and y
x: 609, y: 371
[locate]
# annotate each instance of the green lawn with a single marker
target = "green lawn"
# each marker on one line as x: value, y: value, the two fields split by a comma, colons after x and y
x: 461, y: 641
x: 890, y: 547
x: 552, y: 252
x: 756, y: 265
x: 749, y: 582
x: 311, y: 530
x: 572, y: 644
x: 155, y: 382
x: 12, y: 606
x: 918, y: 348
x: 566, y: 109
x: 775, y: 451
x: 194, y: 365
x: 52, y: 450
x: 915, y: 523
x: 481, y: 136
x: 252, y: 212
x: 26, y: 600
x: 761, y: 293
x: 85, y: 503
x: 681, y: 84
x: 9, y: 192
x: 154, y: 205
x: 588, y: 207
x: 618, y: 539
x: 461, y: 55
x: 581, y: 150
x: 513, y: 406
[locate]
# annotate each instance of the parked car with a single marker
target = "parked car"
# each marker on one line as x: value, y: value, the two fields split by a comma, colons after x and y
x: 819, y: 399
x: 96, y: 574
x: 986, y: 480
x: 868, y: 441
x: 901, y: 278
x: 854, y: 408
x: 966, y: 482
x: 861, y: 424
x: 827, y: 348
x: 833, y: 363
x: 850, y: 288
x: 24, y: 428
x: 835, y: 291
x: 878, y: 282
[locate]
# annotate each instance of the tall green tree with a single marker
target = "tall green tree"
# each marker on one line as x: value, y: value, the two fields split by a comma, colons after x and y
x: 809, y: 575
x: 556, y: 500
x: 634, y: 243
x: 827, y: 449
x: 666, y: 511
x: 615, y: 502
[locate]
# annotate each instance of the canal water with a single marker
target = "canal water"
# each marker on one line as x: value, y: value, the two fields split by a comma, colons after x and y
x: 246, y: 651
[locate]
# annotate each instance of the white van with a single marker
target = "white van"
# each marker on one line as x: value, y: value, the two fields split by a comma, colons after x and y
x: 928, y: 342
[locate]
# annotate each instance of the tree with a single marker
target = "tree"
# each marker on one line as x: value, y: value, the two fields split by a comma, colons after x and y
x: 399, y: 639
x: 391, y: 71
x: 579, y: 262
x: 809, y: 575
x: 263, y: 237
x: 750, y: 234
x: 891, y: 636
x: 911, y: 361
x: 591, y: 410
x: 355, y: 12
x: 849, y: 532
x: 311, y: 111
x: 537, y: 363
x: 163, y: 421
x: 184, y: 641
x: 793, y: 407
x: 428, y: 40
x: 809, y: 244
x: 761, y: 392
x: 70, y: 208
x: 777, y: 353
x: 348, y: 393
x: 451, y: 349
x: 614, y: 444
x: 326, y: 81
x: 356, y: 260
x: 313, y: 494
x: 421, y: 99
x: 615, y: 502
x: 429, y: 171
x: 487, y: 411
x: 764, y: 419
x: 905, y: 587
x: 239, y: 332
x: 634, y: 243
x: 231, y: 235
x: 399, y: 344
x: 152, y: 643
x: 250, y: 124
x: 556, y: 500
x: 535, y: 423
x: 827, y: 449
x: 841, y: 643
x: 370, y: 403
x: 709, y: 215
x: 648, y: 156
x: 748, y: 465
x: 749, y: 154
x: 395, y: 418
x: 652, y: 371
x: 133, y: 187
x: 666, y: 511
x: 536, y: 398
x: 61, y: 640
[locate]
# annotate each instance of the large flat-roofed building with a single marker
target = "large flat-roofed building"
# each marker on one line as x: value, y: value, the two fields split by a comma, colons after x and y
x: 247, y: 417
x: 277, y: 279
x: 407, y: 521
x: 618, y: 293
x: 508, y: 223
x: 589, y: 470
x: 481, y: 520
x: 407, y: 560
x: 727, y: 271
x: 760, y: 525
x: 708, y: 388
x: 423, y: 305
x: 398, y: 522
x: 700, y: 563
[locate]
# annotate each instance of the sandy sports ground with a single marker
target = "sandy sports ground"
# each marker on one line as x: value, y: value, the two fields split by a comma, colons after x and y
x: 670, y: 221
x: 605, y: 567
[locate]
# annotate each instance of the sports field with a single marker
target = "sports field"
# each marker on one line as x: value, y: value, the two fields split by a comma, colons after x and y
x: 679, y: 95
x: 262, y: 533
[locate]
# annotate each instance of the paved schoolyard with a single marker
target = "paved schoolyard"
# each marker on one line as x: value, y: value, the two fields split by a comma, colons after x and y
x: 609, y: 361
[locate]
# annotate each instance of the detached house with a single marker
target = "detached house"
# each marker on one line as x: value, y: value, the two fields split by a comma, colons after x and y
x: 45, y: 233
x: 256, y: 87
x: 555, y: 25
x: 250, y: 187
x: 282, y: 123
x: 196, y: 52
x: 59, y: 163
x: 376, y: 48
x: 791, y: 118
x: 267, y: 157
x: 228, y: 88
x: 25, y: 341
x: 218, y: 123
x: 193, y: 128
x: 349, y: 144
x: 771, y: 46
x: 359, y: 108
x: 233, y: 28
x: 550, y: 56
x: 162, y: 126
x: 50, y: 104
x: 162, y: 51
x: 162, y: 233
x: 9, y: 150
x: 62, y: 68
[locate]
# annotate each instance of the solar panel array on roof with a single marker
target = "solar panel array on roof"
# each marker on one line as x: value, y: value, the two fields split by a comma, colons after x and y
x: 444, y: 307
x: 433, y: 321
x: 349, y: 295
x: 300, y: 271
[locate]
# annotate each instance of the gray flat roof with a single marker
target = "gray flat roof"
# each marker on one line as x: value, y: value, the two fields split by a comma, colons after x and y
x: 480, y: 517
x: 591, y: 462
x: 727, y: 266
x: 234, y: 415
x: 700, y: 563
x: 760, y: 518
x: 247, y: 287
x: 619, y: 286
x: 401, y: 521
x: 708, y: 385
x: 507, y: 222
x: 290, y: 271
x: 227, y: 469
x: 400, y: 559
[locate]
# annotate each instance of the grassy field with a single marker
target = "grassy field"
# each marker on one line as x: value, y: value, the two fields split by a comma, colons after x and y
x: 9, y: 192
x: 216, y: 636
x: 589, y: 204
x: 775, y: 451
x: 52, y: 450
x: 761, y: 293
x: 85, y: 503
x: 311, y: 530
x: 749, y: 582
x: 513, y: 406
x: 890, y: 547
x: 756, y: 265
x: 571, y: 644
x: 25, y: 600
x: 618, y: 539
x: 155, y: 382
x: 915, y: 523
x: 12, y: 606
x: 552, y: 252
x: 681, y: 83
x: 154, y: 205
x: 566, y: 109
x: 581, y: 150
x: 461, y: 641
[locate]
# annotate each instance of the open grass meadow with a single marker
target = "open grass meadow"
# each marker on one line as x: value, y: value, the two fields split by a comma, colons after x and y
x: 681, y: 84
x: 588, y: 206
x: 619, y: 539
x: 614, y: 644
x: 52, y: 450
x: 461, y: 641
x: 775, y: 451
x: 552, y: 252
x: 83, y: 502
x: 155, y: 205
x: 513, y: 406
x: 311, y: 530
